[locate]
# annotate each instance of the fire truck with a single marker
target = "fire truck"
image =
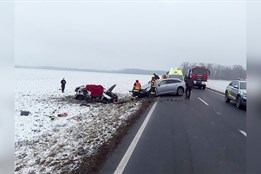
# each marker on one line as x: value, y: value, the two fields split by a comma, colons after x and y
x: 199, y: 75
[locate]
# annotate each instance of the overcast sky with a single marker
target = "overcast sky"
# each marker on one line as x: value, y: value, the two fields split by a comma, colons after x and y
x: 116, y: 35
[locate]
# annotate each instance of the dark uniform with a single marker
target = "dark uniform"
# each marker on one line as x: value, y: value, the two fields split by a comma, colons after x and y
x: 189, y: 84
x: 156, y: 76
x: 63, y: 82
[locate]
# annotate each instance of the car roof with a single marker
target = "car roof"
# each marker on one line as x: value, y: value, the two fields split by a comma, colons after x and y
x: 239, y: 80
x: 169, y: 79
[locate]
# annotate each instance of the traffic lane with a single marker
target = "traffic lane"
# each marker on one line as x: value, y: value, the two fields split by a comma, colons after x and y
x: 228, y: 143
x: 179, y: 139
x: 227, y: 111
x: 154, y: 152
x: 113, y: 159
x: 206, y: 130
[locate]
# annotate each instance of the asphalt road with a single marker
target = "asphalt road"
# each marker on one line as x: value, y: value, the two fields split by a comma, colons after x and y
x: 203, y: 135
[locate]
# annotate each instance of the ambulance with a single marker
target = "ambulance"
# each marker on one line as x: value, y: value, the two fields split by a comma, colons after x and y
x: 175, y: 73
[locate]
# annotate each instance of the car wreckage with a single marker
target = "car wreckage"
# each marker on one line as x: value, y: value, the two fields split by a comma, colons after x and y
x: 95, y: 93
x: 169, y: 86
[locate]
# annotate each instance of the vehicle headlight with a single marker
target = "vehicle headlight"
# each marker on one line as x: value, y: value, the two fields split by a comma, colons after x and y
x: 244, y: 95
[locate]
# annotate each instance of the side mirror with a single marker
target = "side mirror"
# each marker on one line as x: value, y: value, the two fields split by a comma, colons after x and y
x: 236, y: 86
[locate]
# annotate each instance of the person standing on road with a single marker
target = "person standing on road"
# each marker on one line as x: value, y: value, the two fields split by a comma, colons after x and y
x: 63, y: 82
x: 189, y: 84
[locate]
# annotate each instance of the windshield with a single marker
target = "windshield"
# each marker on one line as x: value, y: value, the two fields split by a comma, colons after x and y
x: 180, y: 77
x: 242, y: 85
x: 200, y: 71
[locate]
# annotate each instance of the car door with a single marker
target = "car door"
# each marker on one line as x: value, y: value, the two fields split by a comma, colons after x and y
x: 230, y: 88
x: 161, y: 87
x: 235, y: 89
x: 173, y: 86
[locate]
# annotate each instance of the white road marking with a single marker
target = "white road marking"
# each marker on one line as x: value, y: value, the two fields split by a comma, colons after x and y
x: 203, y: 101
x: 243, y: 132
x: 215, y: 92
x: 134, y: 142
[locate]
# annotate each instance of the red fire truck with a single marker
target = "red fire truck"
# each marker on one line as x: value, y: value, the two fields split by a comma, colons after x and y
x: 199, y: 74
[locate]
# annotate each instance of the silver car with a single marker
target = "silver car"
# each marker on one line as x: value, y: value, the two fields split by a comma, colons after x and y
x: 237, y: 92
x: 170, y: 86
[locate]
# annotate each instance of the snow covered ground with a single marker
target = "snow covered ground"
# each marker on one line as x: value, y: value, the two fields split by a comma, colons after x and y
x: 46, y: 143
x: 219, y: 85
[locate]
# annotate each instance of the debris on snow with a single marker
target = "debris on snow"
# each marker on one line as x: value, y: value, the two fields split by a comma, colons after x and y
x: 25, y: 113
x: 63, y: 114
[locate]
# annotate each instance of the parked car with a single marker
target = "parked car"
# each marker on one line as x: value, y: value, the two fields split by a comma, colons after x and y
x: 236, y: 91
x: 170, y: 86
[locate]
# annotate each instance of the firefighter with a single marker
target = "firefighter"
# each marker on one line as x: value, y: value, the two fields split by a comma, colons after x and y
x: 136, y: 89
x: 153, y: 86
x: 156, y: 76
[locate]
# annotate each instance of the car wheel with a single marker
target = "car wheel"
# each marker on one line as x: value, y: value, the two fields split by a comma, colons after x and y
x: 204, y: 87
x: 180, y: 91
x: 238, y: 102
x: 226, y: 98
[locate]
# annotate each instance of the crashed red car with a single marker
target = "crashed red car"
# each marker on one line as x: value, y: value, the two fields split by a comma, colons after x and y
x: 96, y: 93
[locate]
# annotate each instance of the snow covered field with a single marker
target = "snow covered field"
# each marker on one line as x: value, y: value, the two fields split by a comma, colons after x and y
x: 36, y: 90
x: 219, y: 85
x: 46, y: 143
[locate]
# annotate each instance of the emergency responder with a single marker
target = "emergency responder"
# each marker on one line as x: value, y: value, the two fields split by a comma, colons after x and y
x: 156, y: 76
x: 189, y: 84
x: 153, y: 84
x: 136, y: 89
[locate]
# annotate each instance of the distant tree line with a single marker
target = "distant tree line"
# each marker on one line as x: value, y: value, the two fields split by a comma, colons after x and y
x: 219, y: 72
x: 216, y: 71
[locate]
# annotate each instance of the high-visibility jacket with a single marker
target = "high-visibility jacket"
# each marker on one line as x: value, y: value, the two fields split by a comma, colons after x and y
x: 153, y: 83
x: 137, y: 86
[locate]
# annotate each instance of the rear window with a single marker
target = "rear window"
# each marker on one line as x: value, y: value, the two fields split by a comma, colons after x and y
x: 180, y: 77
